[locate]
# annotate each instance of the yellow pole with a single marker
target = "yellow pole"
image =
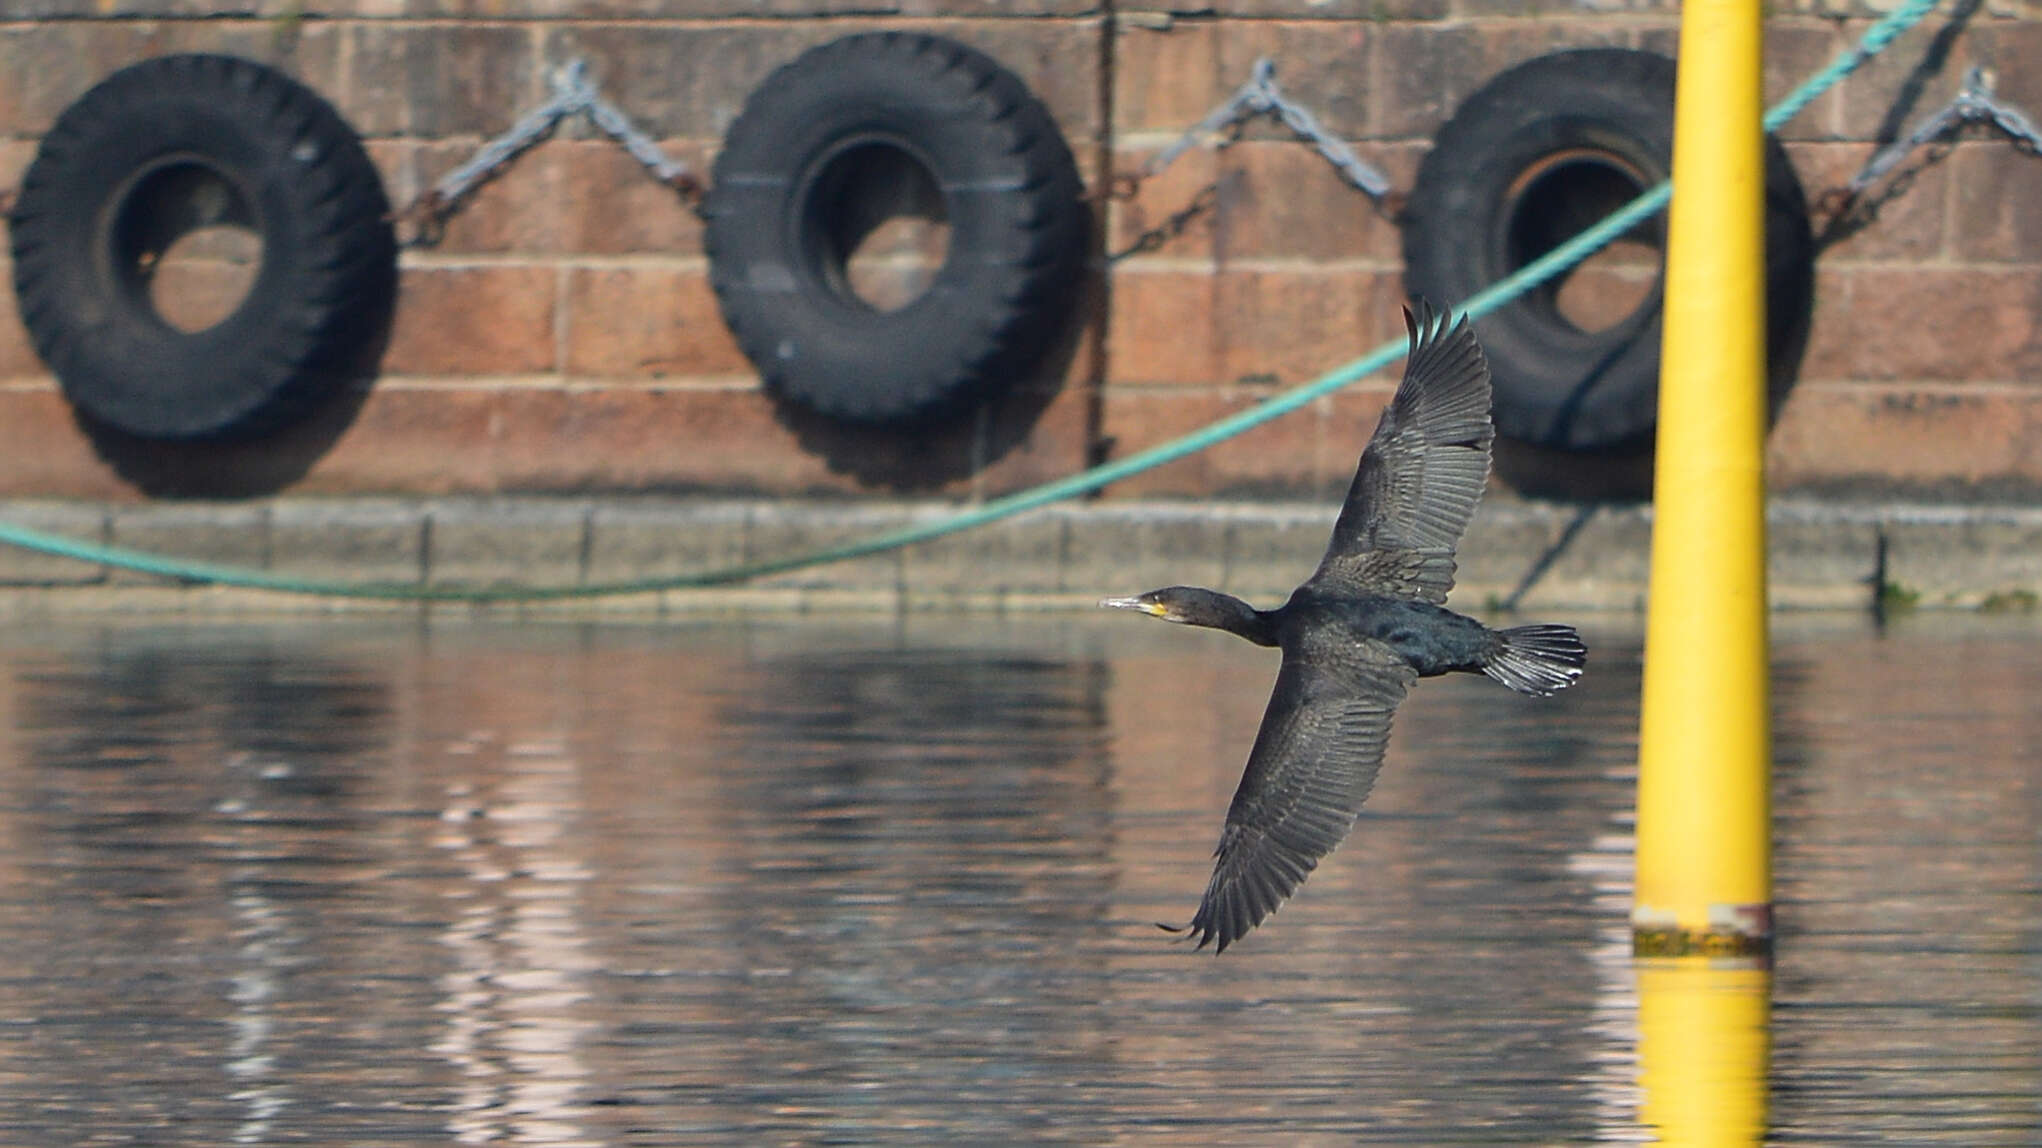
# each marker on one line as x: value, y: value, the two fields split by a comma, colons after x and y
x: 1703, y: 1048
x: 1704, y: 849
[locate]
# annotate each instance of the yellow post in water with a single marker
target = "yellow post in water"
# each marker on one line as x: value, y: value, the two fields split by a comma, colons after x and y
x: 1705, y: 762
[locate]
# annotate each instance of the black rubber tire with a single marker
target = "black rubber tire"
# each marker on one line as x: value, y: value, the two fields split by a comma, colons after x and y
x: 154, y: 151
x: 785, y: 203
x: 1537, y: 155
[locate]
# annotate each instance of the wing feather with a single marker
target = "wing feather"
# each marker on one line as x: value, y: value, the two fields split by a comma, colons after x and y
x: 1422, y: 472
x: 1314, y: 761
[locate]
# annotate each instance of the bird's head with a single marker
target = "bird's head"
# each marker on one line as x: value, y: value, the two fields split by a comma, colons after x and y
x: 1195, y: 607
x: 1171, y: 603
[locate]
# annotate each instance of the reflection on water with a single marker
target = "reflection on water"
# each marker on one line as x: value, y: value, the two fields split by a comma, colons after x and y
x: 1704, y: 1035
x: 863, y: 880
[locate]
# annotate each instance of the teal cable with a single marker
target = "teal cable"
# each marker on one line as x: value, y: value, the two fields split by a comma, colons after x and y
x: 1876, y: 39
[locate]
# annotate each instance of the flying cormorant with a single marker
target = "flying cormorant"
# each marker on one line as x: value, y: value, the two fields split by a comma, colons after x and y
x: 1365, y: 626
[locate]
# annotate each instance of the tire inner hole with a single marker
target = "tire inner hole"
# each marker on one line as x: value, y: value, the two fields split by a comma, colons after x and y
x: 1560, y: 198
x: 878, y: 224
x: 185, y: 242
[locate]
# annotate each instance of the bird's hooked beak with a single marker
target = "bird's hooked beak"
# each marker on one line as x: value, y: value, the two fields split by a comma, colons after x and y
x: 1145, y: 605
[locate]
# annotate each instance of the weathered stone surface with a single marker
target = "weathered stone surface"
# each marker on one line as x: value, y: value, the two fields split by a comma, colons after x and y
x: 1424, y: 74
x: 560, y: 338
x: 1794, y: 51
x: 1351, y: 11
x: 1166, y: 77
x: 1508, y: 548
x: 17, y: 352
x: 82, y: 521
x: 1891, y: 324
x: 1276, y: 458
x: 45, y: 66
x: 648, y: 322
x: 431, y: 80
x: 1162, y: 328
x: 1962, y: 559
x: 484, y: 320
x: 1023, y: 442
x: 636, y: 539
x: 1908, y: 223
x: 1021, y: 555
x: 539, y: 542
x: 1959, y: 443
x: 1998, y: 216
x: 786, y: 531
x: 348, y: 540
x: 1157, y: 199
x: 1599, y: 554
x: 1891, y: 92
x: 1269, y: 550
x: 1141, y: 548
x: 1817, y: 558
x: 1282, y: 201
x: 1290, y: 324
x: 223, y: 533
x: 611, y: 205
x: 1540, y: 557
x: 1322, y: 65
x: 634, y: 64
x: 416, y: 440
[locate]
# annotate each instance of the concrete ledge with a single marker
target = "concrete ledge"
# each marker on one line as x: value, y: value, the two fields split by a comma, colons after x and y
x: 1537, y: 557
x: 85, y: 522
x: 358, y: 540
x: 230, y: 534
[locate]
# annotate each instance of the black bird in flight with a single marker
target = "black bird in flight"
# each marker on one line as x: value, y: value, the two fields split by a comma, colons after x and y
x: 1364, y: 627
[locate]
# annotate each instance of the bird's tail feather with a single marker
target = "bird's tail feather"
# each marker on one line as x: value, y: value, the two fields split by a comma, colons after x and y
x: 1538, y: 660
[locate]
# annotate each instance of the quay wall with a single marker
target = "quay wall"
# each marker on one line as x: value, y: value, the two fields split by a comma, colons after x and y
x: 561, y: 338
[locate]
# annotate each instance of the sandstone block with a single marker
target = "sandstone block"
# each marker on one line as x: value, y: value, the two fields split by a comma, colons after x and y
x: 477, y: 320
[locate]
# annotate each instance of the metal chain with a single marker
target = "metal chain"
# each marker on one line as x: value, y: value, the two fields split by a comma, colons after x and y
x: 573, y: 94
x: 1850, y: 210
x: 1173, y: 225
x: 1260, y: 96
x: 1845, y: 213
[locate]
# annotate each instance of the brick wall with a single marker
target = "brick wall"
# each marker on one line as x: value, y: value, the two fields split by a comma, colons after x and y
x: 562, y: 336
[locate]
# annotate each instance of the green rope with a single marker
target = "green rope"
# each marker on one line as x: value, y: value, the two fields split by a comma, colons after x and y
x: 1876, y: 40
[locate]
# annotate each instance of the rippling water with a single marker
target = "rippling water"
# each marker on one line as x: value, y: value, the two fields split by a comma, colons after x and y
x: 869, y: 880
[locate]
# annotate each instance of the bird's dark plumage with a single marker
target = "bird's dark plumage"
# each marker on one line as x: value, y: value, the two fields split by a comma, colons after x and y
x: 1365, y: 626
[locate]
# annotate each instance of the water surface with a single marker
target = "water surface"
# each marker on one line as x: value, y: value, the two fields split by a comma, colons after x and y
x: 875, y: 880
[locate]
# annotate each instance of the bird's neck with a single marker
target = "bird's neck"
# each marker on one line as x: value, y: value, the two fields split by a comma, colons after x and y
x: 1237, y: 617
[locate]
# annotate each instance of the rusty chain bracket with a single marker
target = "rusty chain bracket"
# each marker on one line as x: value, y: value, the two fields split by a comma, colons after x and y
x: 1846, y: 209
x: 573, y: 94
x: 1260, y: 96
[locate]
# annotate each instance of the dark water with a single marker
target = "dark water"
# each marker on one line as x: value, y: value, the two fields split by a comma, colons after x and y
x: 892, y: 881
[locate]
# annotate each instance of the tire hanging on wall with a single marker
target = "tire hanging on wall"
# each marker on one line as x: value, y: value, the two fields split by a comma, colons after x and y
x: 165, y: 150
x: 893, y: 127
x: 1536, y: 156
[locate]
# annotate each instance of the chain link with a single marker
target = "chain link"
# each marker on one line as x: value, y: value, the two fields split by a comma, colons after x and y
x: 573, y: 94
x: 1173, y: 225
x: 1221, y: 127
x: 1261, y: 96
x: 1845, y: 212
x: 1849, y: 209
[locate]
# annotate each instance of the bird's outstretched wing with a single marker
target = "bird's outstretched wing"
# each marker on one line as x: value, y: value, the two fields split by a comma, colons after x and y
x: 1313, y: 764
x: 1422, y: 472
